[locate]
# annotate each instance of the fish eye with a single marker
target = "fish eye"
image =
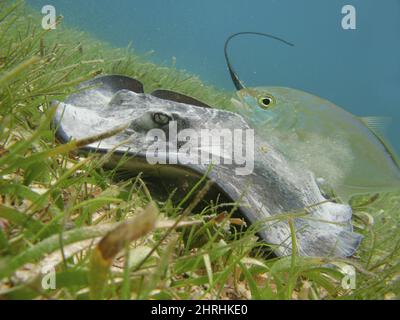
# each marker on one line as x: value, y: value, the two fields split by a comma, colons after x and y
x: 266, y: 101
x: 161, y: 119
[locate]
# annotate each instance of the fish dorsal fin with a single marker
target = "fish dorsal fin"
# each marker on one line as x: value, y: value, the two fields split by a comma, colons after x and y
x: 178, y: 97
x: 378, y: 125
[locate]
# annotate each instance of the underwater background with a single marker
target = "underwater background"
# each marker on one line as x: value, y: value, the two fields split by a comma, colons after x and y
x: 358, y: 70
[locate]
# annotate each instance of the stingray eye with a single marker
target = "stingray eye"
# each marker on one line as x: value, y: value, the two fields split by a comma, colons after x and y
x: 161, y: 119
x: 266, y: 101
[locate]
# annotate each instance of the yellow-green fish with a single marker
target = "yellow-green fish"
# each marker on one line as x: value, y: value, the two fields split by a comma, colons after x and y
x: 345, y: 151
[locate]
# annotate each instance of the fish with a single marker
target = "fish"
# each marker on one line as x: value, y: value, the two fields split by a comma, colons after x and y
x: 348, y: 154
x: 265, y: 194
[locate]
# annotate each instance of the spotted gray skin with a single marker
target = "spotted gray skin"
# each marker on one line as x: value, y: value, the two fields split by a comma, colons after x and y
x: 275, y: 187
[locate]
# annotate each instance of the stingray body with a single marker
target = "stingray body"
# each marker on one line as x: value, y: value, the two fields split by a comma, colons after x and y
x: 273, y: 187
x: 349, y: 153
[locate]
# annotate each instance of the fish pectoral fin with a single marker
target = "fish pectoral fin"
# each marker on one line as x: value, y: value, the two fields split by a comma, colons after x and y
x: 178, y: 97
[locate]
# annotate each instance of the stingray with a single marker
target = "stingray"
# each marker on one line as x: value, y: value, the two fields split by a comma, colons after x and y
x: 266, y: 186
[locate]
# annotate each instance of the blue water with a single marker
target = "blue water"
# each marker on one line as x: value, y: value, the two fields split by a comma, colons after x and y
x: 357, y: 69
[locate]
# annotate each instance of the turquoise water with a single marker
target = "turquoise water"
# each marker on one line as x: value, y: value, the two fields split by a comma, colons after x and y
x: 357, y: 69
